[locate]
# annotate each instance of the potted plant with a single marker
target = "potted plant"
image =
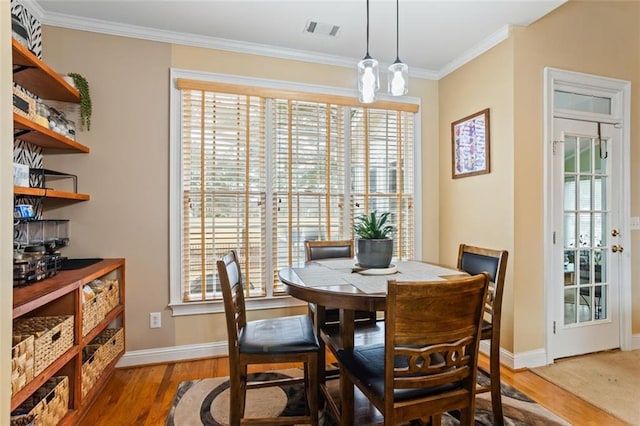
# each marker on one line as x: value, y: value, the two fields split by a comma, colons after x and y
x: 374, y: 246
x: 81, y: 83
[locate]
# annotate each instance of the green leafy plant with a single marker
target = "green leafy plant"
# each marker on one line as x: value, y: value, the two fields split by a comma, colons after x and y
x: 372, y: 226
x: 82, y: 85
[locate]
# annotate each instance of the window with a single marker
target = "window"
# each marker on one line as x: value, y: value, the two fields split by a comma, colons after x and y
x: 261, y: 170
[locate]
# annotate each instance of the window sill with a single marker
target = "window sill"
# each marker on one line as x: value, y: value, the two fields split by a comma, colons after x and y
x: 215, y: 307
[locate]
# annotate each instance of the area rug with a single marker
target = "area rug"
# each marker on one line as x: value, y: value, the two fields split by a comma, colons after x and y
x: 206, y: 402
x: 609, y: 380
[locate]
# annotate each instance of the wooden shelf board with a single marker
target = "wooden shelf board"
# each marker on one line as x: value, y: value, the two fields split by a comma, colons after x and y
x: 50, y: 193
x: 39, y: 78
x: 44, y: 137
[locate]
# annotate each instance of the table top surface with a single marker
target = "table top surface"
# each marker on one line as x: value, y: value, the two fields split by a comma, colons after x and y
x: 340, y: 283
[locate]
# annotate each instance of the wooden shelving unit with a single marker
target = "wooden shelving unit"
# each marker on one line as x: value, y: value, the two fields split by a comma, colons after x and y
x: 62, y: 295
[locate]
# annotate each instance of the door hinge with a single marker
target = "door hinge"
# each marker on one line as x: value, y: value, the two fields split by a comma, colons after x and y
x: 554, y: 237
x: 554, y: 327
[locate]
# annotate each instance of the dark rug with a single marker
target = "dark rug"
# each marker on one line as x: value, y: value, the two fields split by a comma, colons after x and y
x: 206, y: 402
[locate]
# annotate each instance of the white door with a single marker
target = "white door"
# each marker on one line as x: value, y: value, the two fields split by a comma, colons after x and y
x: 587, y: 242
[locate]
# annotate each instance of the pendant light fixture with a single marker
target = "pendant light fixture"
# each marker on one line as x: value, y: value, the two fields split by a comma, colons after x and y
x: 398, y: 76
x: 368, y: 77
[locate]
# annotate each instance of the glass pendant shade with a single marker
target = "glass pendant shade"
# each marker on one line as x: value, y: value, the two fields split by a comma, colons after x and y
x: 398, y: 78
x: 368, y: 80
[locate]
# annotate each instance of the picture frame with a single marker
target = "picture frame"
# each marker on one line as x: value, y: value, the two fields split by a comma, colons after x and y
x: 470, y: 145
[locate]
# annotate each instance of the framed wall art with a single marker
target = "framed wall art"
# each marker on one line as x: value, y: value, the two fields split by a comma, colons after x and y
x: 470, y: 145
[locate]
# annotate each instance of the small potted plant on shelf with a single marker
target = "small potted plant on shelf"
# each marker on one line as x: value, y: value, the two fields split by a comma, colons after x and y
x: 81, y: 83
x: 374, y: 246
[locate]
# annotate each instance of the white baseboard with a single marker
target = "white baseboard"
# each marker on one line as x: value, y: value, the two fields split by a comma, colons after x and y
x: 530, y: 359
x: 635, y: 342
x: 172, y: 354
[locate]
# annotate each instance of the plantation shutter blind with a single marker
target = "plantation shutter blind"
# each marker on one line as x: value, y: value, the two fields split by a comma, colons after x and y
x: 309, y: 172
x: 224, y: 189
x: 382, y: 171
x: 316, y: 161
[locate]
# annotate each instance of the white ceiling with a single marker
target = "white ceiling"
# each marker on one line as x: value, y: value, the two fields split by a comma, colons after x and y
x: 435, y: 36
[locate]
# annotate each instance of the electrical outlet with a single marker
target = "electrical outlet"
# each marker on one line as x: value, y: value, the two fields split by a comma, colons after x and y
x: 635, y: 223
x: 155, y: 320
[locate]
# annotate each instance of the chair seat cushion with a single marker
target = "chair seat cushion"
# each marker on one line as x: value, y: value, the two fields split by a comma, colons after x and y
x: 278, y: 335
x: 367, y: 364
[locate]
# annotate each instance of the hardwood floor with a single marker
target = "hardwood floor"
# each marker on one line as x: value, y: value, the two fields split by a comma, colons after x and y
x: 143, y: 395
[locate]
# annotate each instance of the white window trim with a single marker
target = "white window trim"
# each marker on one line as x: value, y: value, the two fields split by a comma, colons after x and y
x: 176, y: 304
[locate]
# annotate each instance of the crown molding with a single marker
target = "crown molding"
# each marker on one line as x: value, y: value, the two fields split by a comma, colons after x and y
x: 172, y: 37
x: 494, y: 39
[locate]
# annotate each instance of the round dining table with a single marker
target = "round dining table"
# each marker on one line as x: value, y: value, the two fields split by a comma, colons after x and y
x: 339, y: 283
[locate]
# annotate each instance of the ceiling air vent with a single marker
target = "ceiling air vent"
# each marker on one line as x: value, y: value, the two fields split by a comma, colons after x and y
x: 320, y: 28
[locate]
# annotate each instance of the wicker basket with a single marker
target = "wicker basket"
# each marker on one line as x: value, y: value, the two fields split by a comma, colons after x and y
x: 99, y: 354
x: 21, y: 362
x: 53, y: 337
x: 96, y: 309
x: 49, y: 404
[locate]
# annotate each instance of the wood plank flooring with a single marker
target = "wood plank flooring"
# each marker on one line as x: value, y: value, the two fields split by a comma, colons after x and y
x: 143, y: 395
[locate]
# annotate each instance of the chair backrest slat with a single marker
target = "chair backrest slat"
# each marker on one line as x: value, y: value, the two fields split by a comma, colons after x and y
x: 432, y: 332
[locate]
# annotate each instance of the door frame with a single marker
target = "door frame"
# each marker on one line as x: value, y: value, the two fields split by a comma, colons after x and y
x: 620, y: 93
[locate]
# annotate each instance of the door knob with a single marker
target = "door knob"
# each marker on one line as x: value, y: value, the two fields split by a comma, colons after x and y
x: 615, y: 232
x: 616, y: 248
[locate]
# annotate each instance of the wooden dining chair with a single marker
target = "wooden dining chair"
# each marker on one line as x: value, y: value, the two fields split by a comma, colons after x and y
x: 268, y: 341
x: 428, y: 362
x: 323, y: 249
x: 474, y: 260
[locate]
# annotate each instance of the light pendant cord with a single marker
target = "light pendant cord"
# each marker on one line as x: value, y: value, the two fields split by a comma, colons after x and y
x: 367, y: 55
x: 397, y: 31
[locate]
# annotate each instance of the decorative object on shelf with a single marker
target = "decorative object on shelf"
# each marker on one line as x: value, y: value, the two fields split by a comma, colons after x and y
x: 23, y: 104
x: 82, y: 85
x: 19, y: 32
x: 368, y: 78
x: 20, y: 174
x: 470, y: 145
x: 398, y: 77
x: 44, y: 178
x: 23, y: 211
x: 374, y: 247
x: 56, y: 120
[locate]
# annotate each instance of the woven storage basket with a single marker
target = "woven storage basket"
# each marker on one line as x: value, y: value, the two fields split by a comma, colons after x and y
x: 49, y: 404
x: 53, y: 337
x: 21, y: 362
x: 96, y: 309
x: 99, y: 354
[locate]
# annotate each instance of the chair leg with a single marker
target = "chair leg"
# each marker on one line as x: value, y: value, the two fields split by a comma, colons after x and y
x: 238, y: 392
x: 494, y: 375
x: 466, y: 418
x: 311, y: 374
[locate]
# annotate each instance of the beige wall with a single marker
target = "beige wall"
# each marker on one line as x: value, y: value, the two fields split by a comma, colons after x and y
x: 6, y: 208
x: 478, y: 210
x: 509, y: 202
x: 127, y: 171
x: 607, y: 43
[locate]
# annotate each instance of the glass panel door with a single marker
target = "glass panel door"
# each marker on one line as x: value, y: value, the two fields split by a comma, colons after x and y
x: 585, y: 224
